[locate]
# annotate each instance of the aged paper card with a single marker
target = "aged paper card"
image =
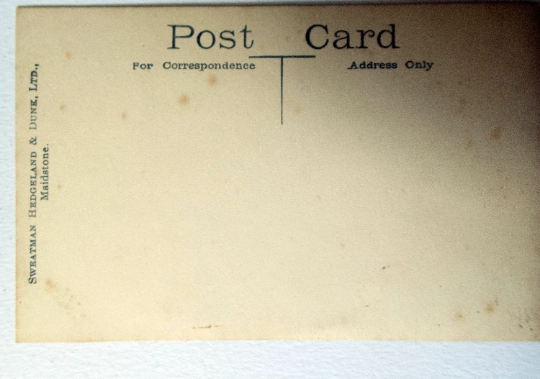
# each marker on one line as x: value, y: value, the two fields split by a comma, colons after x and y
x: 278, y: 172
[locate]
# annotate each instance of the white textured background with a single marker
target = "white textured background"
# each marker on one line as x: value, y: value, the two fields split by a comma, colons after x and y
x: 213, y: 359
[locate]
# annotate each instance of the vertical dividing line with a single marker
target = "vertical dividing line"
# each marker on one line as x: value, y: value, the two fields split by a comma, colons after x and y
x: 281, y: 57
x: 281, y: 90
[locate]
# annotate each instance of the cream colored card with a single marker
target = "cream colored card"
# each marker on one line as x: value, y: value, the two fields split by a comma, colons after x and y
x: 278, y: 172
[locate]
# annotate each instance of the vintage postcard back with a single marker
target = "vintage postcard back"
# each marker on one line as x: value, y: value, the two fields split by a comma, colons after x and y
x: 278, y: 172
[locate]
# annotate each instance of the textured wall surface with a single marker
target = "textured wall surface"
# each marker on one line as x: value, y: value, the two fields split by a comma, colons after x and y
x: 214, y: 359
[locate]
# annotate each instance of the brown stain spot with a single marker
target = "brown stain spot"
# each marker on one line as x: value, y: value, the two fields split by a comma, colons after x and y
x: 319, y: 197
x: 59, y: 186
x: 212, y: 80
x: 68, y: 55
x: 183, y: 100
x: 470, y: 144
x: 62, y: 107
x: 204, y: 327
x: 459, y: 317
x: 367, y: 306
x: 50, y: 286
x: 287, y: 39
x: 342, y: 245
x: 62, y: 296
x: 496, y: 134
x: 124, y: 116
x: 298, y: 109
x: 438, y: 82
x: 385, y: 267
x: 489, y: 309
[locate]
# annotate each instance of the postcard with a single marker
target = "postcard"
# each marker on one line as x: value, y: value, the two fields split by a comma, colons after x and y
x: 278, y: 172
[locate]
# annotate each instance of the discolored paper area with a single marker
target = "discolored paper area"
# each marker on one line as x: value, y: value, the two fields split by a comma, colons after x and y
x: 302, y: 194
